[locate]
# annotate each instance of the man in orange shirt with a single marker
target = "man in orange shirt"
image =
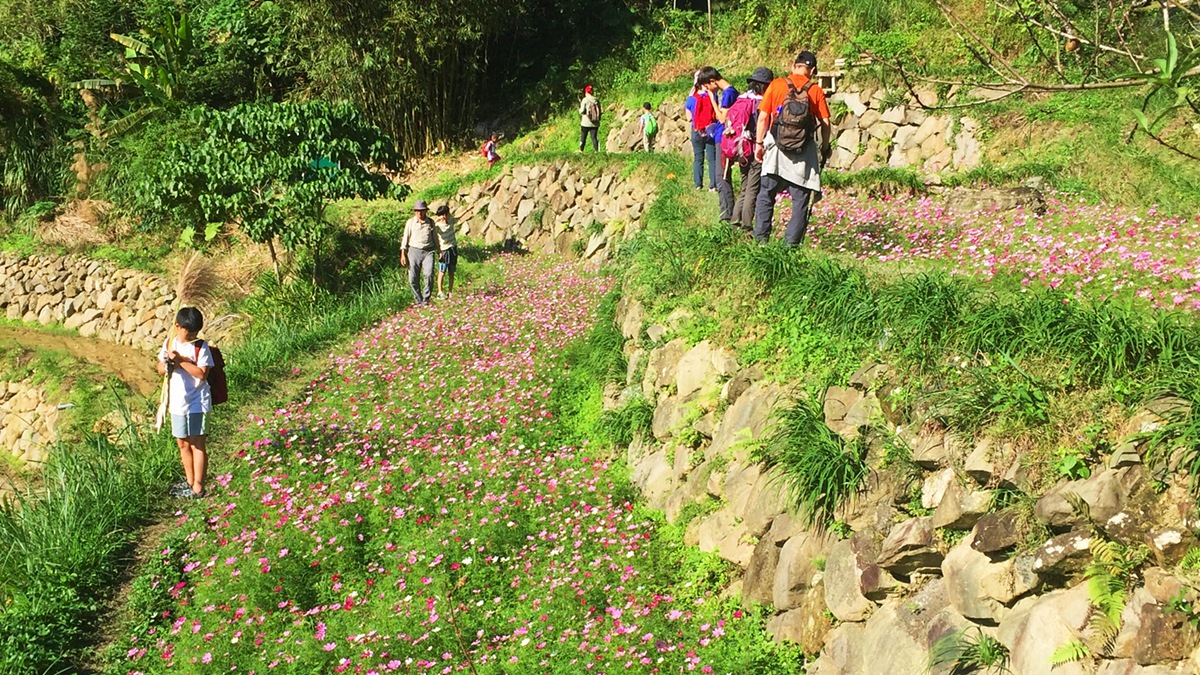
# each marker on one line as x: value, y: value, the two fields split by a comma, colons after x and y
x: 799, y: 171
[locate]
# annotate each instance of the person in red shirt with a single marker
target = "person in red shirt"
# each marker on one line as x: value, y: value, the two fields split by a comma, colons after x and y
x: 797, y: 172
x: 704, y: 121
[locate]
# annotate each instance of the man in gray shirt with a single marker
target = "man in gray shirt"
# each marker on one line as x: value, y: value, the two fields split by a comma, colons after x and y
x: 418, y: 251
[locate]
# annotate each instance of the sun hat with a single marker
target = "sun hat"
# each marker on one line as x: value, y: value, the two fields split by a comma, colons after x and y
x: 807, y: 58
x: 420, y: 205
x: 763, y: 75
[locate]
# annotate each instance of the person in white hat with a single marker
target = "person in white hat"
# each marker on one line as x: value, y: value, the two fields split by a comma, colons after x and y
x: 418, y: 252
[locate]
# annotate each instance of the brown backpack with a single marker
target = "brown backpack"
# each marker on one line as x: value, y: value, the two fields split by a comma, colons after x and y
x: 795, y: 124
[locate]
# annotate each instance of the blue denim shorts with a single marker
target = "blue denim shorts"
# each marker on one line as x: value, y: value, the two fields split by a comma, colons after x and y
x: 448, y: 260
x: 185, y: 426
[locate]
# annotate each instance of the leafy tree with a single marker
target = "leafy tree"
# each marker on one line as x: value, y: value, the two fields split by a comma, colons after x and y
x: 272, y: 169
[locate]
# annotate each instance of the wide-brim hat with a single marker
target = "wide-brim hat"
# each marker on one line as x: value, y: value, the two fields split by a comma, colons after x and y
x: 420, y: 205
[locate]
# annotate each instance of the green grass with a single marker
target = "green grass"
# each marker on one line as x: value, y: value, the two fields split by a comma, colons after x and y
x: 63, y: 543
x: 1083, y: 138
x: 591, y: 363
x: 969, y: 652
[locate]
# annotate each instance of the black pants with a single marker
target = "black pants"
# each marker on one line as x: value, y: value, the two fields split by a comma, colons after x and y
x: 583, y: 134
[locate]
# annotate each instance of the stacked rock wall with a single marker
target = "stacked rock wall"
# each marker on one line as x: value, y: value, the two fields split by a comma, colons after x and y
x: 28, y: 420
x: 93, y: 297
x: 555, y: 208
x: 872, y: 131
x: 900, y: 582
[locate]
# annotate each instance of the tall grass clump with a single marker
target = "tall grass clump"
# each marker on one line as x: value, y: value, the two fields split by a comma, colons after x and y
x: 617, y: 428
x: 64, y: 541
x: 834, y: 295
x: 820, y: 470
x: 966, y: 652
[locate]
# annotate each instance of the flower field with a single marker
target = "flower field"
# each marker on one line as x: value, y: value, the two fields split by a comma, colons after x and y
x: 412, y: 513
x: 1094, y: 250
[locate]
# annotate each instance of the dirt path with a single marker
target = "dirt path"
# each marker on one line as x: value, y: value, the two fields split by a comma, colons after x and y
x: 132, y: 366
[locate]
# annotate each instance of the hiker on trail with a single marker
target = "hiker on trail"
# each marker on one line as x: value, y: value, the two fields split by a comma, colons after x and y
x: 589, y: 120
x: 737, y: 145
x: 649, y: 127
x: 447, y: 250
x: 489, y: 149
x: 793, y: 109
x: 418, y: 249
x: 186, y: 359
x: 722, y: 96
x: 704, y: 124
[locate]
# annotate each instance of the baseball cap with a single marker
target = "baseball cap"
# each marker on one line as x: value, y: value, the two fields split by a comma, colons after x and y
x: 587, y: 89
x: 763, y: 75
x: 807, y: 58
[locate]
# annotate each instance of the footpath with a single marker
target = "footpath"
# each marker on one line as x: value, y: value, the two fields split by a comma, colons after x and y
x: 412, y: 512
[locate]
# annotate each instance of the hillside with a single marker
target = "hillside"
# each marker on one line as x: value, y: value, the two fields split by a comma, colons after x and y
x: 954, y: 432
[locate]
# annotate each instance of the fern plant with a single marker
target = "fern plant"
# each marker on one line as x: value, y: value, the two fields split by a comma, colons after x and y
x: 1191, y: 559
x: 1110, y: 577
x: 969, y: 652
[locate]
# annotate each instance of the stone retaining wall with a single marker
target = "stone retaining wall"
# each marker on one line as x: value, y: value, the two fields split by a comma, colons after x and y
x: 93, y: 297
x: 898, y: 583
x: 555, y: 208
x: 870, y: 133
x: 28, y: 420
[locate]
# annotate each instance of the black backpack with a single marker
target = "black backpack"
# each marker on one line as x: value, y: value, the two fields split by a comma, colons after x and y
x: 218, y: 384
x: 795, y: 124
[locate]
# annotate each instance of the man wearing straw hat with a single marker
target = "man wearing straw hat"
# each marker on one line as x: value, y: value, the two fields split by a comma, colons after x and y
x: 418, y: 252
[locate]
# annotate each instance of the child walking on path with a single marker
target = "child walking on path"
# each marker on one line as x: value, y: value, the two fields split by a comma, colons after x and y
x: 186, y: 359
x: 447, y: 250
x: 649, y: 127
